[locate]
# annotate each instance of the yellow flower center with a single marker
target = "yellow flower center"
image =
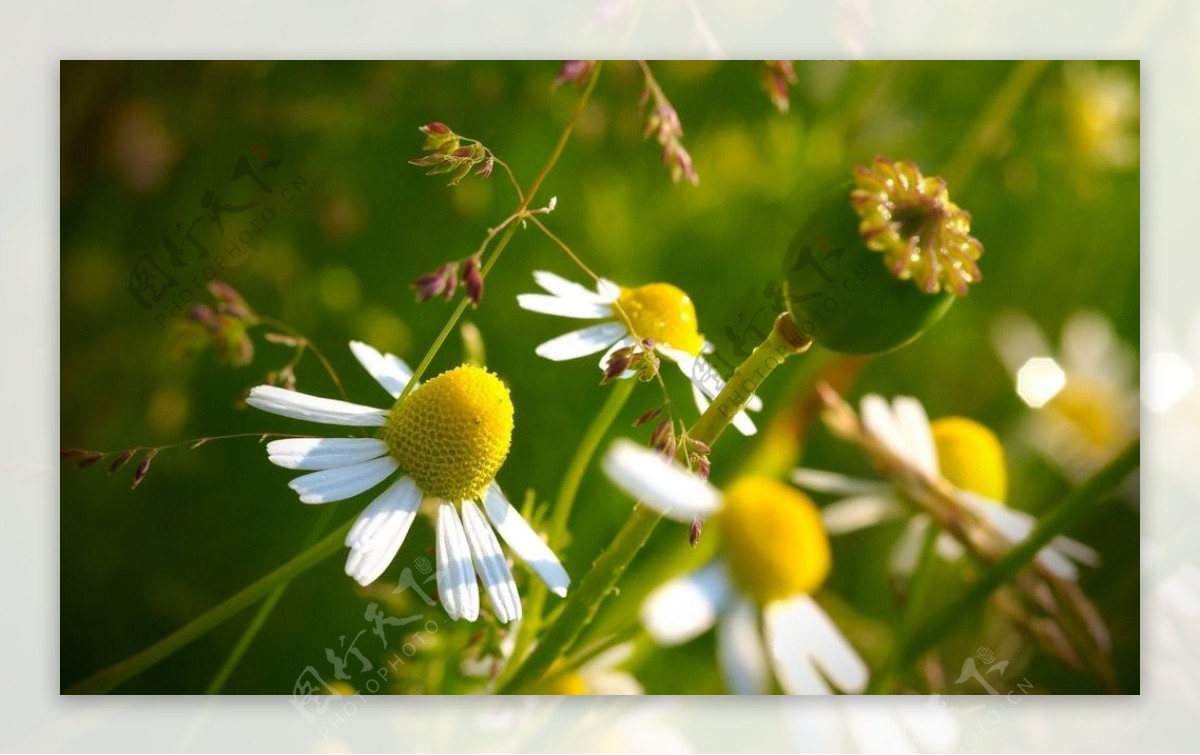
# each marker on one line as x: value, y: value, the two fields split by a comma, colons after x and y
x: 970, y: 457
x: 773, y: 538
x: 570, y: 683
x: 662, y: 312
x: 1091, y: 409
x: 452, y: 433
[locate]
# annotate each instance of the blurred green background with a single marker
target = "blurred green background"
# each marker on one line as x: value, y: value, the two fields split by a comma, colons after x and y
x: 1053, y: 194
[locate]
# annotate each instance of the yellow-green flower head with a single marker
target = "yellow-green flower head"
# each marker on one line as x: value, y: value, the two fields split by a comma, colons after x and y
x: 448, y: 438
x: 661, y: 312
x: 657, y: 316
x: 774, y: 554
x: 773, y: 539
x: 452, y: 434
x: 910, y: 219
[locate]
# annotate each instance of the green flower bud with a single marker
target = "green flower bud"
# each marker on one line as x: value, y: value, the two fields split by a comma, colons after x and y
x: 879, y: 260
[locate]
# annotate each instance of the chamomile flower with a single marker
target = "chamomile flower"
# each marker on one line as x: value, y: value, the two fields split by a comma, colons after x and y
x: 659, y: 312
x: 443, y: 444
x: 1083, y: 399
x: 964, y: 453
x: 775, y: 555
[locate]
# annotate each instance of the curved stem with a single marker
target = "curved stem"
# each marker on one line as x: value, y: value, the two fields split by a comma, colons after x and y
x: 565, y: 501
x: 281, y: 325
x: 581, y: 605
x: 262, y: 614
x: 109, y: 678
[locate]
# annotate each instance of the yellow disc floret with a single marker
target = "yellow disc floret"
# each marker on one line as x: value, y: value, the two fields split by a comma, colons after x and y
x: 773, y: 538
x: 452, y: 434
x: 662, y: 312
x: 970, y: 457
x: 568, y: 683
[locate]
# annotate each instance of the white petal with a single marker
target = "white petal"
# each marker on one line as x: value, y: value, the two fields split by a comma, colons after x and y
x: 948, y: 548
x: 607, y: 290
x: 323, y: 453
x: 580, y: 343
x: 702, y: 374
x: 860, y: 512
x: 1075, y: 550
x: 329, y: 411
x: 624, y: 342
x: 878, y: 420
x: 390, y: 371
x: 825, y: 643
x: 788, y: 649
x: 663, y: 486
x: 565, y: 289
x: 380, y: 530
x: 687, y: 607
x: 914, y: 424
x: 402, y: 495
x: 524, y: 541
x: 491, y: 565
x: 740, y: 651
x: 342, y: 482
x: 907, y: 551
x: 457, y: 586
x: 554, y: 305
x: 743, y: 424
x: 830, y: 482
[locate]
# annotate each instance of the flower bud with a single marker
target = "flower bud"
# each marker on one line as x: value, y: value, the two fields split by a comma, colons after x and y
x: 879, y: 260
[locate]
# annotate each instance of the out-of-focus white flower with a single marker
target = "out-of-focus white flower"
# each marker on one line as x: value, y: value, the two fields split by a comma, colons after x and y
x: 758, y: 593
x: 963, y: 452
x: 1085, y: 411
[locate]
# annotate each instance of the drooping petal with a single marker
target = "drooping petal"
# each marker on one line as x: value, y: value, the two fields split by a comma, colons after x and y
x: 457, y: 586
x: 703, y: 375
x: 740, y: 650
x: 687, y: 607
x: 328, y: 411
x: 560, y: 307
x: 859, y: 512
x: 804, y: 642
x: 524, y: 541
x: 380, y: 530
x: 820, y: 481
x: 741, y: 421
x: 664, y: 486
x: 491, y: 564
x: 323, y: 453
x: 341, y: 483
x: 788, y: 650
x: 907, y: 551
x: 580, y: 343
x: 388, y: 370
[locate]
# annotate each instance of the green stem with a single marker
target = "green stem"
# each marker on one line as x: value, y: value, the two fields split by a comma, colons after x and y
x: 109, y: 678
x: 263, y: 613
x: 1085, y: 498
x: 582, y: 604
x: 565, y: 501
x: 989, y: 127
x: 918, y: 595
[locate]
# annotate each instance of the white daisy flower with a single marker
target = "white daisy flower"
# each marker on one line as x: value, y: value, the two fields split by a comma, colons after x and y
x: 758, y: 593
x: 443, y: 444
x: 964, y: 453
x: 1083, y: 396
x: 657, y: 311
